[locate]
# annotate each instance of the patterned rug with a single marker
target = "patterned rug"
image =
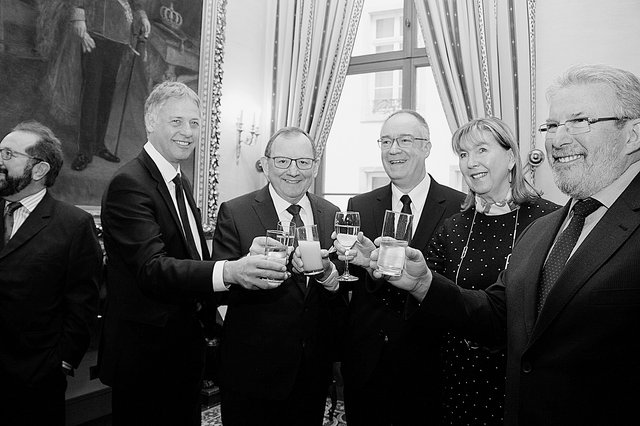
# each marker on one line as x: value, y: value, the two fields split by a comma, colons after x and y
x: 211, y: 416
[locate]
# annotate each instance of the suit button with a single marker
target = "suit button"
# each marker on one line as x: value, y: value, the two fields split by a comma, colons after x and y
x: 526, y: 367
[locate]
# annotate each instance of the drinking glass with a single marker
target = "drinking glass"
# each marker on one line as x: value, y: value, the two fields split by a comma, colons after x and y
x: 289, y: 228
x: 277, y: 248
x: 396, y: 233
x: 347, y: 225
x: 309, y: 245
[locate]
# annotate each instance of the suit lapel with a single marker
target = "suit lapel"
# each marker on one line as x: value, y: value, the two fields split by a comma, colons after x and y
x: 2, y: 204
x: 383, y: 204
x: 265, y: 209
x: 431, y: 214
x: 611, y: 232
x: 161, y: 187
x: 196, y: 214
x: 536, y: 256
x: 34, y: 223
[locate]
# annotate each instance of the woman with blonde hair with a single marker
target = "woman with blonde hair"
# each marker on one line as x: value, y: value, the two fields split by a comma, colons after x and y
x: 471, y: 248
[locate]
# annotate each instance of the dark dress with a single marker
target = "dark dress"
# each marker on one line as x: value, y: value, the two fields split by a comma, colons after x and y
x: 474, y: 377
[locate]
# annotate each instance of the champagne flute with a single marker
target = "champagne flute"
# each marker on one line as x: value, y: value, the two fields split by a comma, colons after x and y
x: 347, y: 225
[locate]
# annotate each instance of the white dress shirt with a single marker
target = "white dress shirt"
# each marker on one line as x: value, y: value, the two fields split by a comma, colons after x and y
x: 168, y: 172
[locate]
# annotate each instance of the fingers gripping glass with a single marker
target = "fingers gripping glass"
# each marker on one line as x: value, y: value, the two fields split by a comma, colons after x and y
x: 285, y: 162
x: 403, y: 141
x: 7, y: 154
x: 347, y: 226
x: 575, y: 126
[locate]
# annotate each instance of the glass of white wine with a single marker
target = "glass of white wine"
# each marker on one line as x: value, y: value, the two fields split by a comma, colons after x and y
x: 347, y: 226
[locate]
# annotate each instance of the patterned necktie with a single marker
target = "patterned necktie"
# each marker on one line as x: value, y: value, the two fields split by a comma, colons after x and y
x: 182, y: 209
x: 8, y: 220
x: 294, y: 209
x: 563, y: 247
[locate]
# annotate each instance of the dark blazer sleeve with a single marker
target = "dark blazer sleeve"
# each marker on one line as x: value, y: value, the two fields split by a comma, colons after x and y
x: 84, y: 261
x: 227, y: 243
x: 140, y: 231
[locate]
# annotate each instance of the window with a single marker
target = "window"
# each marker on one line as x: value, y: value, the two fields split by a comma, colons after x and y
x: 389, y: 71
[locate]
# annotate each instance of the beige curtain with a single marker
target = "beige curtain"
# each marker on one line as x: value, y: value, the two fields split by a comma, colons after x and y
x: 482, y: 53
x: 312, y: 49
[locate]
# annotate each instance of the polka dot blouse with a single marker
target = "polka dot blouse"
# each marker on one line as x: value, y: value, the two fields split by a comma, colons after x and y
x: 473, y: 376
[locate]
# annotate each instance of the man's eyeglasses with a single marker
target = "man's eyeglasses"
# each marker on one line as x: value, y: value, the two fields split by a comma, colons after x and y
x: 285, y: 162
x: 575, y: 126
x: 404, y: 141
x: 7, y: 154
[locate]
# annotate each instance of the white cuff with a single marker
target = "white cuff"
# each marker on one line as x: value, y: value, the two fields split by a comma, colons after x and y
x: 331, y: 283
x: 218, y: 276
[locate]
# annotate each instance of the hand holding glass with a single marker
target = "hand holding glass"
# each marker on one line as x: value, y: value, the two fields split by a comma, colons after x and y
x: 276, y: 249
x: 347, y: 226
x: 309, y: 246
x: 396, y: 234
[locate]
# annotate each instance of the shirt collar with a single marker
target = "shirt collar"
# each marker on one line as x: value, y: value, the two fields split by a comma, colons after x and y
x: 167, y: 171
x: 31, y: 202
x: 418, y: 194
x: 282, y: 205
x: 610, y: 194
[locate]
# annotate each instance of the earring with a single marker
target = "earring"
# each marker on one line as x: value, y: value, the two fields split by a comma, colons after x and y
x: 510, y: 175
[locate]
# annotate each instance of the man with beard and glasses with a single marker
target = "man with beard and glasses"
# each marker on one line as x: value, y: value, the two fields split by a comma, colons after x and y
x: 568, y: 304
x: 50, y: 260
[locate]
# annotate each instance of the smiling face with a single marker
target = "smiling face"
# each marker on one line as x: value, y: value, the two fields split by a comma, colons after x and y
x: 291, y: 183
x: 175, y: 130
x: 485, y: 165
x: 584, y: 164
x: 16, y: 173
x: 405, y: 166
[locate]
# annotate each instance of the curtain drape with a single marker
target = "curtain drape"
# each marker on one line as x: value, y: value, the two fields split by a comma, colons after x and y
x: 482, y: 54
x: 312, y: 49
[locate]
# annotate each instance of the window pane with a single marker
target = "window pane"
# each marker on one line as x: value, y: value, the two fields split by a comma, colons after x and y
x: 384, y: 27
x: 380, y: 28
x: 442, y: 162
x: 352, y: 156
x: 419, y: 35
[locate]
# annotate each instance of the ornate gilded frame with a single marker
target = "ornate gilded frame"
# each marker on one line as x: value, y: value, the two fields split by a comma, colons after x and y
x: 209, y: 90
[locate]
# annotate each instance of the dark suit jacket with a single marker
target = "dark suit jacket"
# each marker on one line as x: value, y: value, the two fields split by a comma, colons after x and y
x: 153, y: 286
x: 372, y: 328
x: 577, y: 364
x: 49, y: 275
x: 267, y: 334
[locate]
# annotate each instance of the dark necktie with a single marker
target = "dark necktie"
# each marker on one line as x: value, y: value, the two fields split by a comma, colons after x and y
x: 182, y: 209
x: 392, y: 296
x: 563, y: 247
x: 8, y: 220
x: 406, y: 208
x: 406, y: 204
x: 294, y: 209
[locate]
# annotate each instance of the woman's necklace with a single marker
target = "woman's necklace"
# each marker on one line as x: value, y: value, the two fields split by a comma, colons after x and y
x: 466, y: 245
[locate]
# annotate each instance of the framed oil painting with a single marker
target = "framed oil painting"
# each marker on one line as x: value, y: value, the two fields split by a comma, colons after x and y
x: 95, y: 106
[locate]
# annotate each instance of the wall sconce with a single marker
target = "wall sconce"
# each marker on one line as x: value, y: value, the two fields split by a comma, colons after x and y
x: 249, y: 139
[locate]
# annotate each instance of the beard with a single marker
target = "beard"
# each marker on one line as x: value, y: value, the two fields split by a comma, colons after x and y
x: 10, y: 185
x: 597, y: 170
